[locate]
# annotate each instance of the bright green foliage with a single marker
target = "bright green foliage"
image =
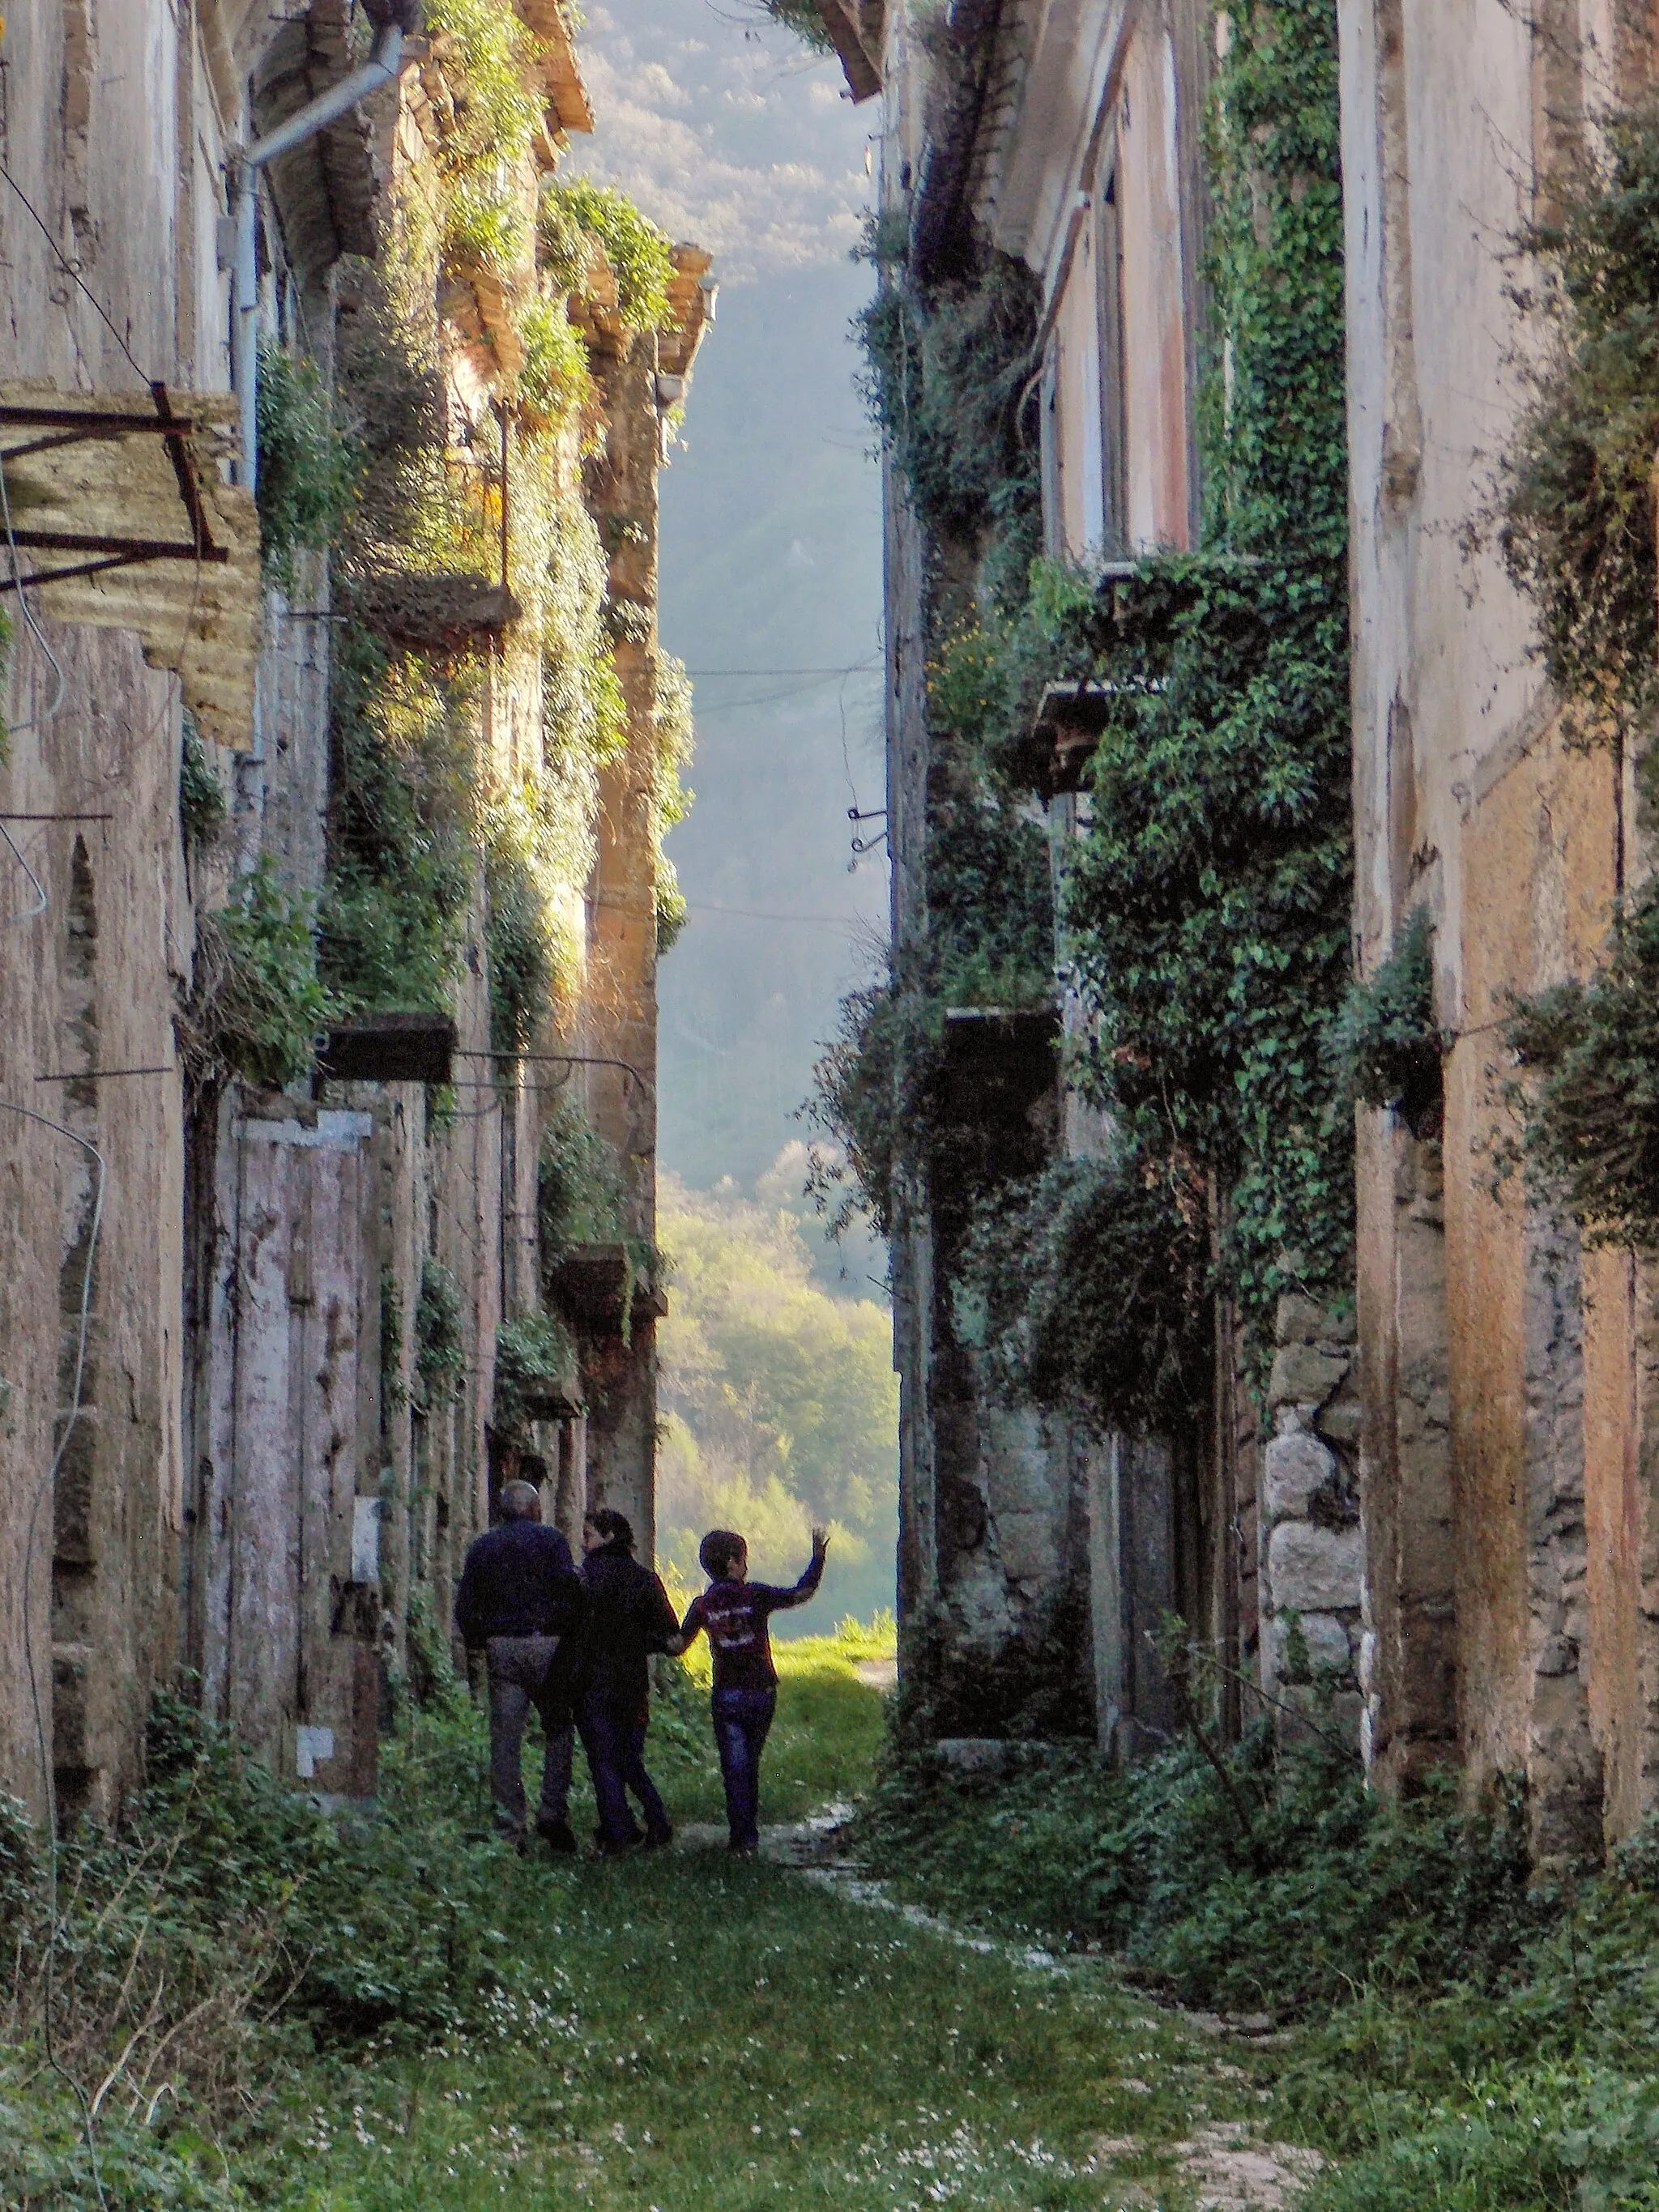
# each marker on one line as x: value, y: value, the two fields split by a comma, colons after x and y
x: 484, y: 227
x: 1385, y: 1045
x: 554, y: 378
x: 535, y: 1357
x: 518, y: 935
x: 257, y: 1003
x: 202, y: 807
x: 400, y: 864
x: 580, y: 1198
x: 1578, y: 528
x: 574, y: 210
x: 1088, y: 1286
x: 781, y: 1400
x: 803, y: 18
x: 1588, y: 1106
x: 1209, y: 908
x: 486, y: 58
x: 439, y: 1337
x: 308, y: 469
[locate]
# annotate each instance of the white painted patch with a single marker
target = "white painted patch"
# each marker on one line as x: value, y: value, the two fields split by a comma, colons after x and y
x: 313, y: 1747
x: 366, y: 1540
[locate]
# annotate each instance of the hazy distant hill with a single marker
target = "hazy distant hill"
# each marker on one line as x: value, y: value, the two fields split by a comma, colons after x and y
x: 771, y: 559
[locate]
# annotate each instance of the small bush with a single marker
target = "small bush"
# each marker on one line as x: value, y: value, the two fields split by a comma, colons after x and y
x: 1589, y: 1105
x: 579, y: 1188
x: 554, y: 379
x: 518, y: 938
x: 1577, y: 528
x: 257, y: 1005
x: 308, y: 471
x: 535, y: 1357
x: 1328, y: 1886
x: 574, y: 210
x: 1094, y: 1281
x: 1384, y: 1044
x: 439, y: 1337
x: 202, y: 807
x: 484, y: 227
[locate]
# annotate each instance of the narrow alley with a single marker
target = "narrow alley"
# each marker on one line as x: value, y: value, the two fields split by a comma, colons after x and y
x: 1119, y: 1123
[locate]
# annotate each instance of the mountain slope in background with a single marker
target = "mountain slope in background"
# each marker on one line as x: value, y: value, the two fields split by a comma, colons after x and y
x: 727, y: 131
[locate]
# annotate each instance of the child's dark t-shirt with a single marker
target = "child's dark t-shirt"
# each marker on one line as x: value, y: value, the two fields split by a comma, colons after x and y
x: 735, y: 1615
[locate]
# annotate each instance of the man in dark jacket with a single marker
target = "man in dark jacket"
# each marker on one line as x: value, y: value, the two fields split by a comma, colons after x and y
x: 521, y: 1600
x: 629, y: 1617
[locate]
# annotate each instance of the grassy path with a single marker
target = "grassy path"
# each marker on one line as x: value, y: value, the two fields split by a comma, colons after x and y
x: 694, y: 2034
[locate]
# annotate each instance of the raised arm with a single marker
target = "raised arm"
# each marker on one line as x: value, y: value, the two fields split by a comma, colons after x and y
x: 780, y: 1601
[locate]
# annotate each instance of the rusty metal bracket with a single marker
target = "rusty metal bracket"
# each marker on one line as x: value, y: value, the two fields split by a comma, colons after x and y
x: 71, y: 426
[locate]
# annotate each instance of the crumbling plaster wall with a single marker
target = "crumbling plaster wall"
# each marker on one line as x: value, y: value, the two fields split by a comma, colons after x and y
x: 1505, y: 1466
x: 111, y: 130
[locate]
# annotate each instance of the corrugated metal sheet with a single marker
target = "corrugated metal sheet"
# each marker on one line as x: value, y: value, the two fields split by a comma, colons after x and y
x: 200, y: 619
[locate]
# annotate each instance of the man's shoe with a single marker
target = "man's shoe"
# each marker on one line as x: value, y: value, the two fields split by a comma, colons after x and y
x: 658, y: 1840
x: 609, y: 1851
x: 558, y: 1836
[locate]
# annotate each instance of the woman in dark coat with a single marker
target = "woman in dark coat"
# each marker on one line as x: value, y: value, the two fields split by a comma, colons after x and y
x: 629, y: 1616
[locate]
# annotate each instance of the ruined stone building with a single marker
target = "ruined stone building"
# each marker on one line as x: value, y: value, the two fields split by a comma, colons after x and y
x: 1311, y: 680
x: 332, y: 822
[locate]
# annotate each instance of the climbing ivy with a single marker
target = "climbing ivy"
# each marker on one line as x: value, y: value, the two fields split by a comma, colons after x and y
x: 202, y: 806
x: 439, y: 1337
x: 1208, y: 907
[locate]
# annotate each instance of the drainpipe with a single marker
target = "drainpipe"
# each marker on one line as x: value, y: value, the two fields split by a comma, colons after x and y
x: 381, y: 67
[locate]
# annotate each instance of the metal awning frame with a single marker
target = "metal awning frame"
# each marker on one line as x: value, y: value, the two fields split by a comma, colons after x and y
x: 72, y: 426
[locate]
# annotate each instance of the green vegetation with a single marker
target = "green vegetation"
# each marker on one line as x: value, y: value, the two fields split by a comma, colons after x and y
x: 579, y: 1188
x: 1386, y: 1044
x: 1463, y: 2037
x: 257, y: 1003
x: 780, y: 1407
x: 523, y: 956
x: 309, y: 470
x: 439, y: 1341
x: 574, y: 210
x: 535, y: 1358
x: 1089, y: 1287
x: 1576, y: 523
x: 1577, y: 532
x: 1589, y: 1133
x: 400, y: 873
x: 487, y: 53
x: 202, y: 806
x: 1204, y: 914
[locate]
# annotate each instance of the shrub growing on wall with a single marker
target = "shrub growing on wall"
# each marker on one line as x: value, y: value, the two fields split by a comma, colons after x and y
x: 1578, y: 522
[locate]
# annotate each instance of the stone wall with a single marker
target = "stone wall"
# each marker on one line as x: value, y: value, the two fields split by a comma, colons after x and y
x: 1312, y: 1553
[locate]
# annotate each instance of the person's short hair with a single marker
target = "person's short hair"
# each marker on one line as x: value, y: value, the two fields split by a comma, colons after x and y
x: 520, y: 1501
x: 717, y: 1551
x: 613, y: 1527
x: 532, y: 1468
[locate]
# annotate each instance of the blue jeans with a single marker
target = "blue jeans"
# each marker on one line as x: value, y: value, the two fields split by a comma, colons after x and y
x: 742, y: 1718
x: 615, y: 1744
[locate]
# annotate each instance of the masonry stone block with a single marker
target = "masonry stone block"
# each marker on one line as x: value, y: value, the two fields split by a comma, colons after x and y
x: 1305, y: 1374
x: 1315, y: 1570
x: 1325, y: 1636
x: 1293, y: 1468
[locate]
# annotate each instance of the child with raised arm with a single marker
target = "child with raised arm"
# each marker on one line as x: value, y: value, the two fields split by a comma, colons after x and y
x: 734, y: 1612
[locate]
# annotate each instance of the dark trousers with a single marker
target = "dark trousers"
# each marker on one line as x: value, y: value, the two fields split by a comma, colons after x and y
x: 614, y: 1741
x: 522, y: 1674
x: 742, y: 1718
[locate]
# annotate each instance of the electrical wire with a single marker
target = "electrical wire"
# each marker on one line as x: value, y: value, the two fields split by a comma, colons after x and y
x: 44, y: 1490
x: 71, y: 271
